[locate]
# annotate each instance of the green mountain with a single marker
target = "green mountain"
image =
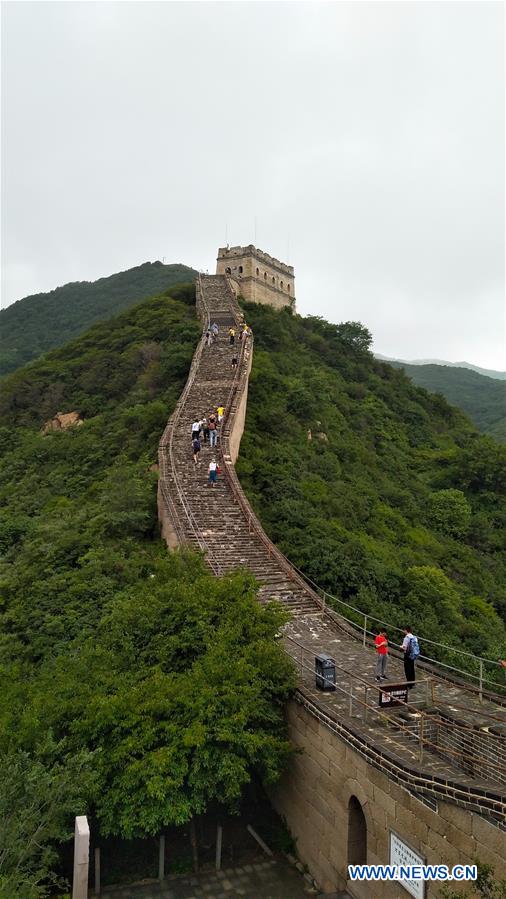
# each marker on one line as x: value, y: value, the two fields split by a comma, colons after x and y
x: 380, y: 492
x: 40, y: 322
x: 482, y: 398
x: 131, y: 678
x: 488, y: 372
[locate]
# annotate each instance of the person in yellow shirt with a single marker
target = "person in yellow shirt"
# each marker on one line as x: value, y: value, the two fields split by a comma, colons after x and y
x: 221, y: 411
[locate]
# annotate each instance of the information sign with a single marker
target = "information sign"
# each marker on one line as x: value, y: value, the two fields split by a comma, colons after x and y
x: 392, y: 694
x: 402, y: 854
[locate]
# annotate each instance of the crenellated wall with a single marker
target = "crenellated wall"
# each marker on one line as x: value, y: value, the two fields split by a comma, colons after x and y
x: 258, y: 276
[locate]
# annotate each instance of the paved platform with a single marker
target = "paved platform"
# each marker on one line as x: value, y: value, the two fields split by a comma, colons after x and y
x: 273, y: 879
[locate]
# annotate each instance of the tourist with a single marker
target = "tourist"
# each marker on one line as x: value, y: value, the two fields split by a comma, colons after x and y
x: 214, y: 328
x: 234, y: 362
x: 221, y: 411
x: 195, y: 430
x: 208, y: 337
x: 411, y: 652
x: 205, y: 429
x: 196, y: 450
x: 213, y: 472
x: 231, y: 334
x: 381, y: 644
x: 212, y: 430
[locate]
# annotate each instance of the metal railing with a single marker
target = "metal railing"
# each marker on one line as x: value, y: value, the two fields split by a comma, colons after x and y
x: 365, y: 633
x: 166, y: 445
x: 475, y: 752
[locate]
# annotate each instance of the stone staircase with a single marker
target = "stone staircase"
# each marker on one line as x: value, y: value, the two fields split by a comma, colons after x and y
x: 220, y: 523
x: 217, y: 524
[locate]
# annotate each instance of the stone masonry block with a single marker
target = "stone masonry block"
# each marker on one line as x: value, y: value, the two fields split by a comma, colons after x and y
x: 404, y: 820
x: 444, y: 852
x: 459, y: 817
x: 338, y: 774
x: 489, y: 835
x: 384, y: 801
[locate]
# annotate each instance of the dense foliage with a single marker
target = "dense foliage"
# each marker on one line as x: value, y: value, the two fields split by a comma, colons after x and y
x: 135, y: 686
x: 396, y: 503
x: 40, y: 322
x: 480, y: 397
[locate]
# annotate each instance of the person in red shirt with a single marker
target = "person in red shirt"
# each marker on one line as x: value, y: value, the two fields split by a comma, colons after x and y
x: 381, y: 644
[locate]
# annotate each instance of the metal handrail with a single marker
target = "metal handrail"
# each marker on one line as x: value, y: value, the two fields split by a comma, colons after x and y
x: 168, y: 443
x: 167, y: 437
x: 394, y: 626
x: 470, y: 756
x: 428, y: 681
x: 408, y: 777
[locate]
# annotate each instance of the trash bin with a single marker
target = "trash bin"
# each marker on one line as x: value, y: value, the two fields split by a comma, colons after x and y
x: 325, y: 670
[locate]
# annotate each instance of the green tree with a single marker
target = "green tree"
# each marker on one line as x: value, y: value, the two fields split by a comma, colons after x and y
x: 355, y: 335
x: 39, y: 797
x: 449, y: 512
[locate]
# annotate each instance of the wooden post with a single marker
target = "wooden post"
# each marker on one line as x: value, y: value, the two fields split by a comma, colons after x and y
x: 161, y: 857
x: 81, y: 858
x: 259, y: 840
x: 97, y: 871
x: 219, y: 841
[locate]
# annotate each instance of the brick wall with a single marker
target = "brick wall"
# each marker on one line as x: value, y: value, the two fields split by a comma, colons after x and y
x: 257, y: 276
x: 313, y: 797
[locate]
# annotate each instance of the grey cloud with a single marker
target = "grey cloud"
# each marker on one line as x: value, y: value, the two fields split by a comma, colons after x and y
x: 366, y: 137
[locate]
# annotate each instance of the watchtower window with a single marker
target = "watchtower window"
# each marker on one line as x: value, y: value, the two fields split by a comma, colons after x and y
x: 288, y: 288
x: 228, y: 271
x: 240, y: 269
x: 265, y: 276
x: 258, y: 272
x: 357, y: 833
x: 281, y: 285
x: 273, y: 280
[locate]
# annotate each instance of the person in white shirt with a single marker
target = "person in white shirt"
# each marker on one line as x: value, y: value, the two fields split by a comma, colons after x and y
x: 195, y: 430
x: 409, y: 659
x: 213, y: 472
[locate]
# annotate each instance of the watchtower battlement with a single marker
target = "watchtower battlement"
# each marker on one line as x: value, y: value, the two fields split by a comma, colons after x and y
x: 257, y: 276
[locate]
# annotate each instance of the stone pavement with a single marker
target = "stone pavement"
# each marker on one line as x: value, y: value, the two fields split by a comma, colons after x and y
x: 272, y: 879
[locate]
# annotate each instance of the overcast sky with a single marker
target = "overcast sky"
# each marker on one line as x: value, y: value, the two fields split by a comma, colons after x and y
x: 366, y: 139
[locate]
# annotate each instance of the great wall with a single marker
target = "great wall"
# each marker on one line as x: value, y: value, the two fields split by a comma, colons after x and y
x: 429, y: 777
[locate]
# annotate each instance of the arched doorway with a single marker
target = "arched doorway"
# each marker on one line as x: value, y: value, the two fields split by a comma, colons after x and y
x: 357, y: 833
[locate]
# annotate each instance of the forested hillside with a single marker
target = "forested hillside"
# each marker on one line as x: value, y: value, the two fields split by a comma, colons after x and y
x: 380, y: 492
x: 40, y: 322
x: 480, y: 397
x: 135, y: 687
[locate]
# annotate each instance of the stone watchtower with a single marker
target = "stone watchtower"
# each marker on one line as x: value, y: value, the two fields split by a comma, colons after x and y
x: 257, y: 276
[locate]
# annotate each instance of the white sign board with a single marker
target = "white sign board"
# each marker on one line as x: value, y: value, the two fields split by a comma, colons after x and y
x: 402, y: 854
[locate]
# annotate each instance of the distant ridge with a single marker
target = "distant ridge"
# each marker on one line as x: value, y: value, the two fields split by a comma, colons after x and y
x: 487, y: 372
x: 481, y: 397
x: 40, y: 322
